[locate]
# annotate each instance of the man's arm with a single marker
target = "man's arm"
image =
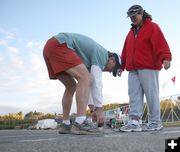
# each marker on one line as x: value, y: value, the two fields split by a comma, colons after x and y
x: 96, y: 92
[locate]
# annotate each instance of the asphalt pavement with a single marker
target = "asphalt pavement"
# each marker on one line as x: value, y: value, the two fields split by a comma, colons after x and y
x: 109, y: 141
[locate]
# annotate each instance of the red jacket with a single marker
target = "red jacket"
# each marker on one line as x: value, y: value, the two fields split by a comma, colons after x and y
x: 147, y: 50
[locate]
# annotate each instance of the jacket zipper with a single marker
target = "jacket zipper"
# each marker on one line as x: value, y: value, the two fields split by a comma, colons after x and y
x: 135, y: 35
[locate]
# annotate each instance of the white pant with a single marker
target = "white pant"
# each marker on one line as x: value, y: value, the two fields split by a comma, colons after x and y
x: 140, y: 83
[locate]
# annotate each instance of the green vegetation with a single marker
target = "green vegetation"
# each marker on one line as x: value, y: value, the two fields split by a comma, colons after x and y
x: 18, y: 121
x: 170, y: 114
x: 171, y: 124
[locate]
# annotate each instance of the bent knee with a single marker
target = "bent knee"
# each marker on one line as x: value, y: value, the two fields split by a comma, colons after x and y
x: 80, y: 73
x: 86, y: 78
x: 71, y: 86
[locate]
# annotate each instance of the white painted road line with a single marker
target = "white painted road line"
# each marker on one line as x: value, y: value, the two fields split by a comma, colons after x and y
x: 171, y: 131
x: 15, y: 136
x: 113, y: 135
x: 36, y: 140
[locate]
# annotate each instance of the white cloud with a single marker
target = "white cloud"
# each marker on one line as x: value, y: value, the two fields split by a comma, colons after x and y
x: 14, y: 57
x: 115, y: 88
x: 3, y: 42
x: 7, y: 35
x: 1, y: 59
x: 6, y: 109
x: 36, y: 45
x: 12, y: 50
x: 36, y: 61
x: 26, y: 79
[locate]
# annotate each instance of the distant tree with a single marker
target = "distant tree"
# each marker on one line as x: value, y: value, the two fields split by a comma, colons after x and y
x: 168, y: 104
x: 30, y: 114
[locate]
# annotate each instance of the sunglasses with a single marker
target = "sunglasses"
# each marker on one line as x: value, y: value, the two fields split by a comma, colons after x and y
x: 134, y: 11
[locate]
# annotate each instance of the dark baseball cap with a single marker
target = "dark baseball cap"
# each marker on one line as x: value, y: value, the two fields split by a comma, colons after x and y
x: 133, y: 10
x: 118, y: 64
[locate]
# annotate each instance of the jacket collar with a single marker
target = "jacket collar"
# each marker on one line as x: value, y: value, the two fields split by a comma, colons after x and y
x: 147, y: 20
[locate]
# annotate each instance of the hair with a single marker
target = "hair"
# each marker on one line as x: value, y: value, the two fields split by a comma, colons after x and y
x: 146, y: 15
x: 110, y: 54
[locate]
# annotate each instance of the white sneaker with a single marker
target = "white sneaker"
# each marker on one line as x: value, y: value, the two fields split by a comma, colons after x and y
x: 131, y: 126
x: 86, y: 128
x: 153, y: 127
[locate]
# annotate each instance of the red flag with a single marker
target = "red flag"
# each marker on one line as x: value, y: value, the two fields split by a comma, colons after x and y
x: 173, y: 79
x: 126, y: 110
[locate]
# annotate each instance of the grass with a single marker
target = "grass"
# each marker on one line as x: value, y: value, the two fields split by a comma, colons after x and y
x: 171, y: 124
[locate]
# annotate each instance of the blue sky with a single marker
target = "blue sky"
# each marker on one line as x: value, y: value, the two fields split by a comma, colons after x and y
x: 26, y: 26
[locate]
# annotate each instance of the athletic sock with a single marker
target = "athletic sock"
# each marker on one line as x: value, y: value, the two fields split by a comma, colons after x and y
x: 80, y: 119
x: 67, y: 122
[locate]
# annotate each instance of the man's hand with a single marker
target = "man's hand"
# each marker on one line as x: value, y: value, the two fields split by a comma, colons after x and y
x: 166, y: 64
x: 94, y: 116
x: 100, y: 116
x: 97, y: 115
x: 93, y: 113
x: 119, y: 72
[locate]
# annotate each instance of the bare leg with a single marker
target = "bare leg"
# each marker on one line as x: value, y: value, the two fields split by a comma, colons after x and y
x: 70, y: 87
x: 82, y: 88
x: 82, y: 75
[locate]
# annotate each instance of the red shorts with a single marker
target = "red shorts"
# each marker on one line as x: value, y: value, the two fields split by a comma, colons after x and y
x: 59, y: 57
